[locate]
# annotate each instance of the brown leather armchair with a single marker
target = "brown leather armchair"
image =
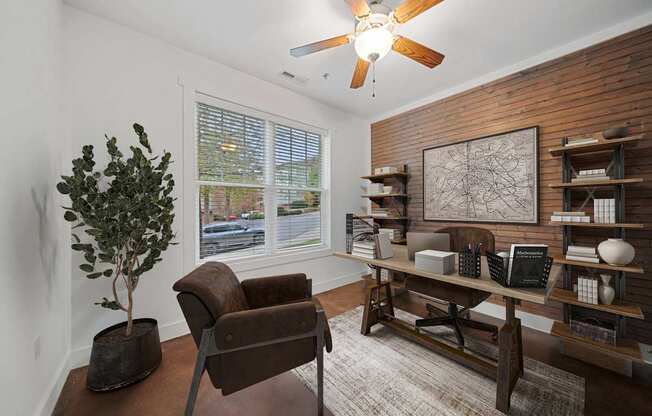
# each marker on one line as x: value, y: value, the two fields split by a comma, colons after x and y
x: 248, y: 332
x: 453, y: 294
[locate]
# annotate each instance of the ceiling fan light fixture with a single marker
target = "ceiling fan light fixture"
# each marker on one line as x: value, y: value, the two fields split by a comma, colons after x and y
x: 373, y: 44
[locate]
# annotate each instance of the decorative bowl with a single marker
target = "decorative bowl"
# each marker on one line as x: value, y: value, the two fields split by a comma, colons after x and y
x: 616, y: 252
x: 614, y: 133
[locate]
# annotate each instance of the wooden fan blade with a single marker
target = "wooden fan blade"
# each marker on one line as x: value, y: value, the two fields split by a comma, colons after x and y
x: 412, y: 8
x: 360, y: 73
x: 359, y: 8
x: 417, y: 52
x: 320, y: 46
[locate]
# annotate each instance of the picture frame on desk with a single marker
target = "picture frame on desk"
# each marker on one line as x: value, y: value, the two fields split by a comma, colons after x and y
x: 452, y: 191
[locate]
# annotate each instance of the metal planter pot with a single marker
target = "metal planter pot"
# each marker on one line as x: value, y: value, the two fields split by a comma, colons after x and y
x: 117, y: 361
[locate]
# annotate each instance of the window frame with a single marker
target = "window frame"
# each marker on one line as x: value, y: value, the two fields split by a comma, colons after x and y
x: 272, y: 255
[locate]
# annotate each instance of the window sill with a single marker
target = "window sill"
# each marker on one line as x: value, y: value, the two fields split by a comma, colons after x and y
x: 269, y: 260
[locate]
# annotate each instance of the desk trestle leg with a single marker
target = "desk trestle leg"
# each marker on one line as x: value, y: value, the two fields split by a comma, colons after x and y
x: 376, y: 305
x: 510, y: 358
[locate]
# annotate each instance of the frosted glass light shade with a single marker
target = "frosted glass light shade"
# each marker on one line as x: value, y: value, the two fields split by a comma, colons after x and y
x: 373, y: 44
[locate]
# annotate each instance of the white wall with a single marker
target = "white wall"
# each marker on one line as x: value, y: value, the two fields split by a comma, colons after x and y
x: 114, y: 77
x: 34, y: 254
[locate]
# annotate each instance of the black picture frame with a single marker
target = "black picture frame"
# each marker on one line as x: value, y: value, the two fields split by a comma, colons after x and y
x: 534, y: 221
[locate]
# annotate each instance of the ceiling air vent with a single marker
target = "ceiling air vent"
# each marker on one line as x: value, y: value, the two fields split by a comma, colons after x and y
x: 289, y: 76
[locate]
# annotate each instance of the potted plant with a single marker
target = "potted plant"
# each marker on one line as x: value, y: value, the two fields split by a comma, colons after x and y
x: 126, y: 212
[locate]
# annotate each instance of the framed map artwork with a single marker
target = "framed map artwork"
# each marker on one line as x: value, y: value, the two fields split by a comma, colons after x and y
x: 489, y: 179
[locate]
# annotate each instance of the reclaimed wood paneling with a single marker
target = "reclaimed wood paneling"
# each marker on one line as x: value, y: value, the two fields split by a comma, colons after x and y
x: 604, y: 85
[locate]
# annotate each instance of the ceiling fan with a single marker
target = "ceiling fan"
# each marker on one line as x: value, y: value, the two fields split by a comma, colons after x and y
x: 374, y: 36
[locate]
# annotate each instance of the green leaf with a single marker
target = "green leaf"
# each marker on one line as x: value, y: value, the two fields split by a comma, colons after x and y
x: 108, y: 272
x: 70, y: 216
x: 81, y: 247
x: 109, y: 304
x: 94, y: 275
x: 63, y: 188
x: 86, y: 268
x: 76, y: 237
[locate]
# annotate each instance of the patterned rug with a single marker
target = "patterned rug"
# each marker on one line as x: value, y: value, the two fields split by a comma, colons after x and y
x: 386, y: 375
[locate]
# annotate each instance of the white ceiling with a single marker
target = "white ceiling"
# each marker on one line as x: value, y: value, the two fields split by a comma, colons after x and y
x: 477, y: 37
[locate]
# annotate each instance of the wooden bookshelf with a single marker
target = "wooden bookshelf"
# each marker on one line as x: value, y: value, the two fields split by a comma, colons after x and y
x: 601, y: 146
x: 616, y: 308
x: 379, y: 196
x: 600, y: 266
x: 599, y: 225
x: 591, y: 184
x: 625, y: 349
x: 397, y: 200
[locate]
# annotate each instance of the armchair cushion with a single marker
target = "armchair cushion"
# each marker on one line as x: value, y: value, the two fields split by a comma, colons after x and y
x: 216, y: 286
x: 275, y: 290
x: 240, y: 329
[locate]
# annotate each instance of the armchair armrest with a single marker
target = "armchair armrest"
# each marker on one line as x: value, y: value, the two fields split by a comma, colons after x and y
x: 275, y: 290
x: 240, y: 329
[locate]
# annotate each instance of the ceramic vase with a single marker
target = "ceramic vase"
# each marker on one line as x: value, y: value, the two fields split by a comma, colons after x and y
x: 606, y: 293
x: 616, y: 252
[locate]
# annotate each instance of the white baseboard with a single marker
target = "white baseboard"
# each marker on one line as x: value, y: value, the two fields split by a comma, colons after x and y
x: 79, y: 357
x: 530, y: 320
x: 49, y: 400
x: 337, y: 282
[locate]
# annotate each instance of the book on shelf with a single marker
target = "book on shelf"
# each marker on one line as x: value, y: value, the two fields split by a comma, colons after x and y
x: 587, y: 290
x: 588, y: 178
x: 569, y: 216
x: 583, y: 259
x: 604, y: 210
x: 580, y: 254
x: 526, y: 266
x: 577, y: 141
x: 582, y: 249
x: 591, y: 172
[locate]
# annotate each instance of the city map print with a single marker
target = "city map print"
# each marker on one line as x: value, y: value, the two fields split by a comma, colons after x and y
x: 492, y: 179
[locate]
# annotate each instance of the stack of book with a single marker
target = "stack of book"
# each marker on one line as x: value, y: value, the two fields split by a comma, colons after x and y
x: 604, y: 210
x: 576, y: 141
x: 394, y: 234
x: 581, y: 253
x: 570, y: 216
x: 375, y: 188
x: 587, y: 290
x: 379, y: 212
x: 385, y: 170
x: 591, y: 175
x: 365, y: 249
x: 355, y: 227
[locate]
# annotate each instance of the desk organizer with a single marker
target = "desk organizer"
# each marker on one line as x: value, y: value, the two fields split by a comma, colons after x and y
x: 470, y: 264
x: 498, y: 269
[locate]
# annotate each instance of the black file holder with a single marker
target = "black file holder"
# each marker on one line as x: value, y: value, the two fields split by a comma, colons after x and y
x: 498, y: 269
x: 469, y: 264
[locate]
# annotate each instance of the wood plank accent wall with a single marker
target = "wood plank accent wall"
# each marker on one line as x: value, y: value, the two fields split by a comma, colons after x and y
x: 604, y: 85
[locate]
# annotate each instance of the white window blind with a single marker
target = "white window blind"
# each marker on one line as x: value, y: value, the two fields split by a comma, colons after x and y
x: 256, y: 177
x: 297, y: 156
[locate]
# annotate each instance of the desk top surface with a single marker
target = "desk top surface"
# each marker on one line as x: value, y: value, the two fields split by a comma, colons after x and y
x: 399, y: 262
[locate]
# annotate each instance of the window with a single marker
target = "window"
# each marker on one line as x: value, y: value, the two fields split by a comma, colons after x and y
x: 259, y: 183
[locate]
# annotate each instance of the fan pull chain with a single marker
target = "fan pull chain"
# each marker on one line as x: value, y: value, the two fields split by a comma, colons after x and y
x: 373, y: 80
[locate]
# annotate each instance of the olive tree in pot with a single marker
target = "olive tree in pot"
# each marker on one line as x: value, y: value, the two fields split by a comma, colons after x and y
x: 126, y: 213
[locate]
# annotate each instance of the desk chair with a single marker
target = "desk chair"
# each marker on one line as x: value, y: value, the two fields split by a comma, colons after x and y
x: 248, y: 332
x: 455, y: 295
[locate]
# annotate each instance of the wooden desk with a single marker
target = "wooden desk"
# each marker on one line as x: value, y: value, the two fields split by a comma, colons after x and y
x: 379, y: 309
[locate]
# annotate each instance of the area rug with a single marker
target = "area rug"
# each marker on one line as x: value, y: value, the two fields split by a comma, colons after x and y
x: 386, y: 375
